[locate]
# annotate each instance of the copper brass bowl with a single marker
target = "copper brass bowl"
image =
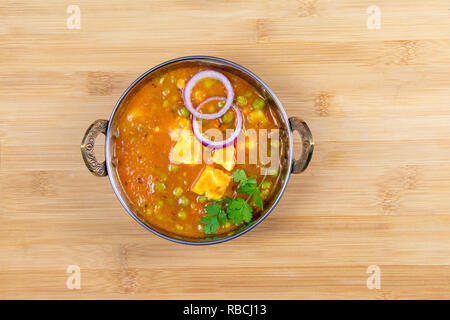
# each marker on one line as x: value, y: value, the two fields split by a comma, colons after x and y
x: 289, y: 164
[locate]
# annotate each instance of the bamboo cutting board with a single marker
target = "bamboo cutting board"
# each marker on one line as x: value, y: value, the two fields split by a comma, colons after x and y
x: 372, y: 80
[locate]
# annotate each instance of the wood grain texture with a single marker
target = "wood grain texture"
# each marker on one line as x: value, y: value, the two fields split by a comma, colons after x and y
x: 377, y: 191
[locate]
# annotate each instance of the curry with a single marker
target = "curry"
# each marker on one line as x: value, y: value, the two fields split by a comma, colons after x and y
x: 184, y: 156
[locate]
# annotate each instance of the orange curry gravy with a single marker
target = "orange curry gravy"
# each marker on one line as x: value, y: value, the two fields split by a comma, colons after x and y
x: 161, y: 191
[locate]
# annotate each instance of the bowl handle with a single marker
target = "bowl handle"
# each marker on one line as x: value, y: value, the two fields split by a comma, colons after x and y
x: 87, y: 148
x: 297, y: 124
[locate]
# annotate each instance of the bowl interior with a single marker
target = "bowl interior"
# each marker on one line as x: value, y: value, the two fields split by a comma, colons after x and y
x: 285, y: 134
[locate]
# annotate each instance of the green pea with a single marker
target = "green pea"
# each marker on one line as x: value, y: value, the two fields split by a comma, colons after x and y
x: 178, y: 191
x: 228, y: 117
x: 202, y: 199
x: 258, y: 104
x: 159, y: 186
x: 266, y: 185
x: 165, y: 103
x: 166, y: 92
x: 221, y: 104
x: 241, y: 101
x: 183, y: 201
x: 184, y: 112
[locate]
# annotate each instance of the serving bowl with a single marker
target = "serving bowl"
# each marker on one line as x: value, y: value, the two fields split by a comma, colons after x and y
x: 290, y: 165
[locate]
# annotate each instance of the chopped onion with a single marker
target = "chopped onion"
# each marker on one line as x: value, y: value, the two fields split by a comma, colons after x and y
x: 193, y: 81
x: 219, y: 144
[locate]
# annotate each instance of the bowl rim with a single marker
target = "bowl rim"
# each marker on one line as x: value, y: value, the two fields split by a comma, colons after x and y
x: 109, y: 136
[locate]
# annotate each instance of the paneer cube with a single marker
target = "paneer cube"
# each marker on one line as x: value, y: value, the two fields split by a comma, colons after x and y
x: 225, y: 157
x: 212, y: 183
x: 187, y: 150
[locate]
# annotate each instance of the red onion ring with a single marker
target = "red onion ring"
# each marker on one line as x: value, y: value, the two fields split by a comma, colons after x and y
x: 223, y: 143
x: 193, y: 81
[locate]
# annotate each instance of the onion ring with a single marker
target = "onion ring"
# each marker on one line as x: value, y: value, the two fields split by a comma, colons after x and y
x: 193, y: 81
x: 223, y: 143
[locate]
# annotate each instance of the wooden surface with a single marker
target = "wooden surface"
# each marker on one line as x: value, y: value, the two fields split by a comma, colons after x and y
x: 377, y: 191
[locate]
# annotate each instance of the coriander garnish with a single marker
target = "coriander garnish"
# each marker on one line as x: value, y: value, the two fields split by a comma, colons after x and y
x: 236, y: 210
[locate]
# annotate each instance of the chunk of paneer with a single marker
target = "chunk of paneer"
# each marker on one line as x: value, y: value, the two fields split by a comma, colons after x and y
x: 187, y: 150
x: 212, y: 183
x: 225, y: 157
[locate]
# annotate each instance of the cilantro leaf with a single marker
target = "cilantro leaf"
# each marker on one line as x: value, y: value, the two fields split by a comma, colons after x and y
x: 258, y: 198
x: 238, y: 211
x: 247, y: 212
x: 213, y: 209
x: 212, y: 238
x: 239, y: 175
x: 210, y: 224
x: 216, y: 216
x: 222, y: 216
x: 247, y: 186
x: 227, y: 200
